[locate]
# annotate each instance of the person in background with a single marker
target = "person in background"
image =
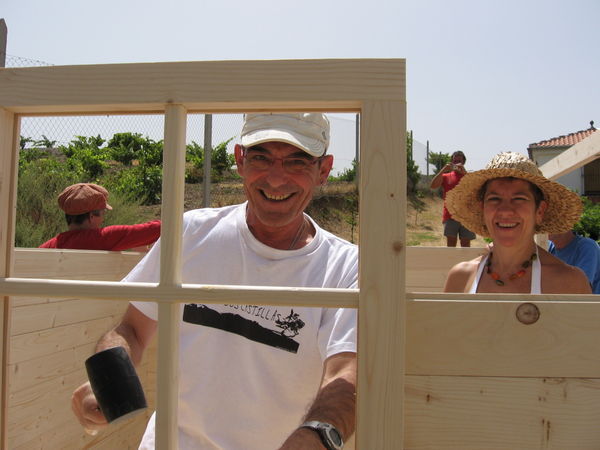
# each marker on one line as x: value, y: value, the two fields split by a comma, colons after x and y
x: 448, y: 178
x: 578, y: 251
x: 257, y: 377
x: 510, y: 201
x: 85, y: 205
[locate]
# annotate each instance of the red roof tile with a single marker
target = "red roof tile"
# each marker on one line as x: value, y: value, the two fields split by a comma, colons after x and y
x: 565, y: 141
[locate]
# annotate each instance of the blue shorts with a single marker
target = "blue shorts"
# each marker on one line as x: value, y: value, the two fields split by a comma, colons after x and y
x: 452, y: 228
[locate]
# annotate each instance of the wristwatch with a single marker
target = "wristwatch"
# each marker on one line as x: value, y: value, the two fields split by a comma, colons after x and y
x: 330, y: 436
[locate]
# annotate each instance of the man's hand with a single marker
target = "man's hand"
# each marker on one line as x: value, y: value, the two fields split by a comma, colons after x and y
x: 86, y: 409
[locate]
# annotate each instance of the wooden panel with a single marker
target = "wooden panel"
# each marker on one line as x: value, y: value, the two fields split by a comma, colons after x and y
x: 427, y: 267
x: 73, y: 264
x: 38, y: 317
x: 233, y: 86
x: 51, y: 340
x: 39, y: 343
x: 484, y: 338
x: 578, y: 155
x: 38, y: 410
x: 473, y: 413
x: 382, y: 277
x: 426, y: 271
x: 31, y: 372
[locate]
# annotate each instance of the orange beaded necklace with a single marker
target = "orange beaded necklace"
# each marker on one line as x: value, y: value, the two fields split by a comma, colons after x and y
x: 518, y: 274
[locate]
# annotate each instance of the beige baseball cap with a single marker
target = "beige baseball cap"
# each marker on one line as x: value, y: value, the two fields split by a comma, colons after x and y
x: 307, y: 131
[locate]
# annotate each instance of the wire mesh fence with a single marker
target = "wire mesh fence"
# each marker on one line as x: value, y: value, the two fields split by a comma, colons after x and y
x: 56, y: 131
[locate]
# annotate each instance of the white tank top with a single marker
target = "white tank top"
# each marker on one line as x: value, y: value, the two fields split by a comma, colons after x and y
x: 536, y: 275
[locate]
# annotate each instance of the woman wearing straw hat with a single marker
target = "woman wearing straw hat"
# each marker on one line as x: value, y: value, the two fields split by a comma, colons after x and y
x: 510, y: 201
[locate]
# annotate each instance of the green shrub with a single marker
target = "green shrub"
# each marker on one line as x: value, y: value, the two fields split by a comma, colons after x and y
x: 412, y: 170
x: 124, y: 147
x: 194, y: 155
x: 589, y: 223
x: 86, y: 155
x: 139, y: 183
x: 348, y: 174
x: 38, y: 215
x: 31, y: 154
x: 151, y: 153
x: 221, y: 161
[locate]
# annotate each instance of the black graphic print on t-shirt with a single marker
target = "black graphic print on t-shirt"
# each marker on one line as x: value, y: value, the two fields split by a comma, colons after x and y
x: 289, y: 326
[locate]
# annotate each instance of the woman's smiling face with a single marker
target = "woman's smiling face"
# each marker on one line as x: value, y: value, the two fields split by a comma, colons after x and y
x: 510, y: 212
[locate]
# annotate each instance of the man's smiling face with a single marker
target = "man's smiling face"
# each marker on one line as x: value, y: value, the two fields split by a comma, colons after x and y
x: 278, y: 196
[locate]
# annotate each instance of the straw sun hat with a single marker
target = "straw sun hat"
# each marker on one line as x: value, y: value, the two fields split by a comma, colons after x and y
x: 463, y: 202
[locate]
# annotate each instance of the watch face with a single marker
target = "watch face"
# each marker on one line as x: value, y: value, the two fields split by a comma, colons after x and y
x: 334, y: 436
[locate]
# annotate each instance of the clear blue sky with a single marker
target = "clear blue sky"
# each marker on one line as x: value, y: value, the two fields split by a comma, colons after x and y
x: 482, y: 76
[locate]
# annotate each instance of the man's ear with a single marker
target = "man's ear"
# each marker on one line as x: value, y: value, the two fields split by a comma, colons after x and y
x: 239, y: 159
x: 325, y: 168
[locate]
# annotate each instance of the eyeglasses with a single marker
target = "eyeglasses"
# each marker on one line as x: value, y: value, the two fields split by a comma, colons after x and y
x: 259, y: 160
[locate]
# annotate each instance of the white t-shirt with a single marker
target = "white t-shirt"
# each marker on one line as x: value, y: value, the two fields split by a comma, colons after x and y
x: 249, y: 373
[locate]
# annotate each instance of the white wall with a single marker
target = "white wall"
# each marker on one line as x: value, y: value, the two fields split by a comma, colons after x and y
x: 573, y: 180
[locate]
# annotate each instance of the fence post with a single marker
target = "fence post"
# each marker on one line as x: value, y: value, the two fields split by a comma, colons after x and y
x: 207, y: 159
x: 3, y: 38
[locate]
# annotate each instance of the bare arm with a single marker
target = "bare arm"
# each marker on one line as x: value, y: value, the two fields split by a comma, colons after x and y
x: 134, y: 333
x: 436, y: 182
x: 335, y: 403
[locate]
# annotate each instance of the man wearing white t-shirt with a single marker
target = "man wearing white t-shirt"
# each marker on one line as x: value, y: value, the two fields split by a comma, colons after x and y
x: 257, y: 377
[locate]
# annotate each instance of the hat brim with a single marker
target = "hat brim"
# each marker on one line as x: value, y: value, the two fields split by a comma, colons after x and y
x: 463, y: 202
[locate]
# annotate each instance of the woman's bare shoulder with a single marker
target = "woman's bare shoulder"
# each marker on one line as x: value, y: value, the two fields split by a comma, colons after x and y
x: 561, y: 278
x: 460, y: 275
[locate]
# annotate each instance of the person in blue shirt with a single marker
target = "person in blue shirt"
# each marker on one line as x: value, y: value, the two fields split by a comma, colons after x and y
x: 580, y: 252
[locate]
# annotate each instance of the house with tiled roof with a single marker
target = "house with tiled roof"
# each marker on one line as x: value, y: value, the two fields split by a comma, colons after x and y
x: 586, y: 179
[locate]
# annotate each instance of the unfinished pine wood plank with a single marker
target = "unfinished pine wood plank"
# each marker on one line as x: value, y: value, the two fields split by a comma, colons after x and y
x: 577, y: 156
x: 18, y: 302
x: 210, y: 86
x: 34, y: 371
x: 474, y: 413
x: 74, y: 264
x: 37, y: 422
x: 428, y: 266
x: 68, y: 435
x: 188, y: 293
x: 382, y: 277
x: 123, y: 437
x: 486, y: 339
x: 169, y: 315
x: 36, y: 344
x: 9, y: 133
x: 426, y: 272
x: 46, y: 316
x: 32, y: 416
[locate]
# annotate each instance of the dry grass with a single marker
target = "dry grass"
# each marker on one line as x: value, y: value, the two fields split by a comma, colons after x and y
x: 424, y: 223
